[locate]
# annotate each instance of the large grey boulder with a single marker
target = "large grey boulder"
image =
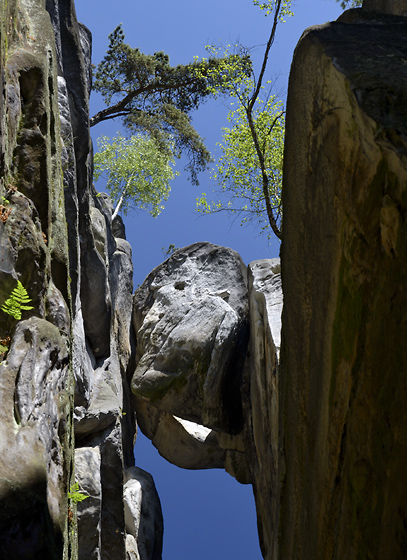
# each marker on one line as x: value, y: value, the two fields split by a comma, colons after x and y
x: 191, y: 323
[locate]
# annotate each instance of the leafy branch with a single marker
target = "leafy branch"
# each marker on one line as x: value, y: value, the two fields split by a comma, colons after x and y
x: 250, y: 168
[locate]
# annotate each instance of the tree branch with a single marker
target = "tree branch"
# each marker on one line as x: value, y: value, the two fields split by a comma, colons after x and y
x: 154, y: 87
x: 266, y: 54
x: 265, y: 180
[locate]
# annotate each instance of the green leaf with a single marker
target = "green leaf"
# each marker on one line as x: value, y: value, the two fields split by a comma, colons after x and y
x: 17, y: 302
x: 75, y: 494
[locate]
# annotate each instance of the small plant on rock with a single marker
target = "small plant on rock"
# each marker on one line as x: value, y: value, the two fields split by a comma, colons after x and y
x: 15, y: 304
x: 75, y: 495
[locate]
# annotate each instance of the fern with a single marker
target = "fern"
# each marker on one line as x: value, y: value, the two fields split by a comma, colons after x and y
x: 75, y: 495
x: 17, y: 302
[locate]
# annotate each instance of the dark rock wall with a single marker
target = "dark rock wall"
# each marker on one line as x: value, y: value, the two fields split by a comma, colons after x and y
x: 343, y: 388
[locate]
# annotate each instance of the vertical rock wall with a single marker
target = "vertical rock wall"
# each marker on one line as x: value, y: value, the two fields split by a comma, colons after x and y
x: 343, y: 388
x: 36, y: 382
x: 65, y: 365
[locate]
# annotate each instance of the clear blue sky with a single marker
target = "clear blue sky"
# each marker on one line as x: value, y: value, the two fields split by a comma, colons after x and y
x: 207, y: 514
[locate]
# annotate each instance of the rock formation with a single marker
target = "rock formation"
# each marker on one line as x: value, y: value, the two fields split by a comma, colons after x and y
x: 65, y: 366
x: 316, y: 423
x: 205, y: 395
x: 343, y: 414
x: 191, y: 316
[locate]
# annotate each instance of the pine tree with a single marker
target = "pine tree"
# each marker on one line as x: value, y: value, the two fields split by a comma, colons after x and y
x: 154, y: 98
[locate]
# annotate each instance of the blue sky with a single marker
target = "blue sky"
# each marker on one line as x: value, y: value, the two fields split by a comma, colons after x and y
x: 207, y: 514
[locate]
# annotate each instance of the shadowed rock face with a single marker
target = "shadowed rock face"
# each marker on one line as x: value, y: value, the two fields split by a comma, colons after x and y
x: 343, y: 413
x: 56, y: 238
x: 395, y: 7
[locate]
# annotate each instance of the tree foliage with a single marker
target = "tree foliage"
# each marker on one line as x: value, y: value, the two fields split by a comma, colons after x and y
x: 250, y: 168
x: 155, y: 98
x: 137, y: 172
x: 238, y: 171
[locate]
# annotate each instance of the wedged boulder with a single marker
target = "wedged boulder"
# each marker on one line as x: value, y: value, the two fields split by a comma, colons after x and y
x: 192, y: 446
x: 191, y: 323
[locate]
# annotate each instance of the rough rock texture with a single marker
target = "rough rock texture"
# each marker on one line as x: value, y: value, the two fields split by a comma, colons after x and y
x: 266, y: 302
x: 343, y: 392
x: 191, y: 320
x: 66, y: 365
x: 192, y: 315
x: 36, y: 379
x: 142, y: 510
x: 321, y: 436
x: 395, y: 7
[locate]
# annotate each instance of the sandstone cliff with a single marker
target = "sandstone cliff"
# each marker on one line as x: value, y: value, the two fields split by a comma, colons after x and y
x: 343, y: 414
x: 65, y: 375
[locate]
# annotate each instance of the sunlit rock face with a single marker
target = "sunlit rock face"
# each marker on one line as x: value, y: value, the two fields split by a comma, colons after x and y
x: 343, y: 392
x: 191, y: 319
x: 64, y: 365
x: 206, y: 392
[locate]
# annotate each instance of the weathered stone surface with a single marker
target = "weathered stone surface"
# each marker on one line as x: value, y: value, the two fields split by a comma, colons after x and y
x: 143, y: 515
x: 34, y: 412
x: 45, y: 75
x: 395, y: 7
x: 262, y: 410
x: 195, y: 448
x: 190, y: 316
x: 343, y: 393
x: 87, y: 474
x: 36, y: 382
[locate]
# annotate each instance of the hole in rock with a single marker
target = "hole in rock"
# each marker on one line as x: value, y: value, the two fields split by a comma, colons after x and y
x: 207, y: 513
